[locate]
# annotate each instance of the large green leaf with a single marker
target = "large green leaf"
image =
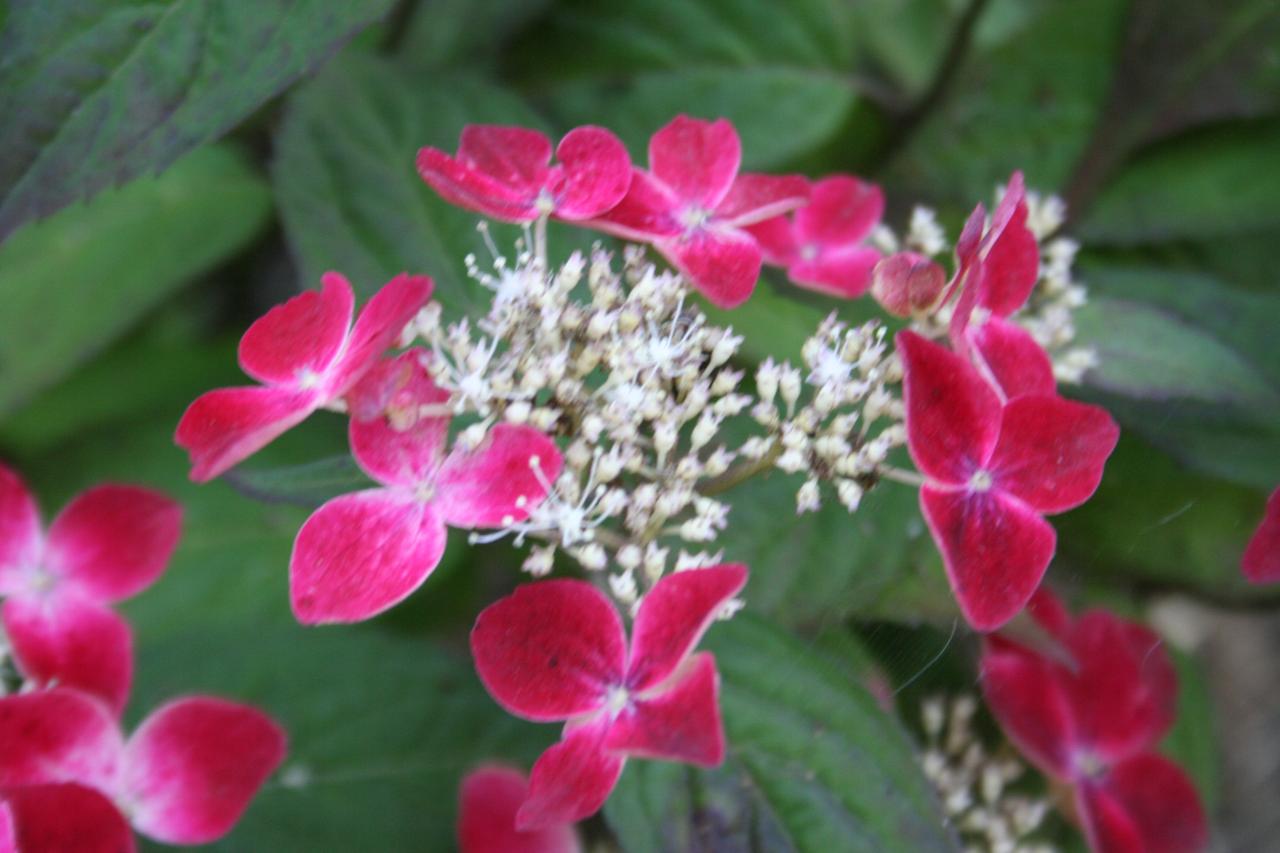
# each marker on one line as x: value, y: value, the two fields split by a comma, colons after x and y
x: 1188, y: 742
x: 94, y: 93
x: 814, y: 764
x: 71, y: 284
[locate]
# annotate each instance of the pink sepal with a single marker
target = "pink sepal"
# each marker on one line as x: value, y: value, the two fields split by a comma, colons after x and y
x: 674, y: 616
x: 496, y: 483
x: 58, y: 735
x: 678, y: 722
x: 1261, y: 562
x: 21, y: 542
x: 1143, y: 805
x: 489, y: 798
x: 65, y: 818
x: 570, y: 781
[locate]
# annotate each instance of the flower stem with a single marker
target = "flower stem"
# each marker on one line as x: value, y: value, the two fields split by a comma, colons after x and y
x: 741, y: 472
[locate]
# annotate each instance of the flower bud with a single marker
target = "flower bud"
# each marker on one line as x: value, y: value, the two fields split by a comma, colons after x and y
x: 907, y: 283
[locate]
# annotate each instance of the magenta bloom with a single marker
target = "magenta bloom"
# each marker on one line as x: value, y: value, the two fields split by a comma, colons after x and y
x: 71, y: 781
x: 488, y: 801
x: 108, y: 544
x: 1093, y: 721
x: 307, y: 354
x: 1261, y: 561
x: 693, y: 206
x: 992, y: 472
x: 821, y: 244
x: 556, y: 650
x: 362, y: 553
x: 506, y: 173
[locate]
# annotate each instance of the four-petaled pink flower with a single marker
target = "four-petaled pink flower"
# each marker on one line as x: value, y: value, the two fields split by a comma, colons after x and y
x: 1093, y: 721
x: 692, y: 206
x: 1261, y: 563
x: 364, y: 552
x: 308, y: 355
x: 108, y: 544
x: 822, y: 245
x: 992, y: 471
x: 505, y: 172
x: 71, y: 781
x: 487, y: 804
x: 556, y: 650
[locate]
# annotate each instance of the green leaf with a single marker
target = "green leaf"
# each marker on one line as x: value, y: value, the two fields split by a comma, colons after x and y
x: 1188, y: 742
x: 308, y: 484
x: 95, y: 93
x: 813, y: 764
x: 73, y: 283
x: 458, y: 33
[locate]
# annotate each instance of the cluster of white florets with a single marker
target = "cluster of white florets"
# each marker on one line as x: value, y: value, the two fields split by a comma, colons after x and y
x: 1048, y: 315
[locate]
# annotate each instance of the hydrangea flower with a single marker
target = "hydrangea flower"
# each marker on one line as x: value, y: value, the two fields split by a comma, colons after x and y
x: 1093, y: 721
x: 71, y: 781
x: 364, y: 552
x: 556, y: 650
x: 307, y: 354
x: 907, y: 283
x: 822, y: 244
x: 505, y: 172
x: 693, y: 207
x: 992, y: 472
x: 110, y: 543
x: 487, y: 804
x: 1261, y: 561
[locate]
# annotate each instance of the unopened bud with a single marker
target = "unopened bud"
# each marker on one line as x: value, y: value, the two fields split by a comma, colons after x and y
x: 907, y: 283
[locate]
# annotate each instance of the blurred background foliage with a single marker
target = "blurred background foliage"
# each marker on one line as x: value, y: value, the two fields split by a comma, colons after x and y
x: 170, y: 169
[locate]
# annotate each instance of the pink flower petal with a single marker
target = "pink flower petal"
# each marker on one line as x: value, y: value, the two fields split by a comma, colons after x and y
x: 303, y: 334
x: 995, y: 550
x: 515, y: 156
x: 496, y: 481
x: 777, y: 240
x: 66, y: 818
x: 192, y: 767
x: 1023, y: 693
x: 391, y: 440
x: 1051, y: 451
x: 953, y: 416
x: 570, y: 781
x: 74, y: 642
x: 596, y: 174
x: 361, y: 554
x: 1012, y: 260
x: 466, y: 186
x: 550, y: 650
x: 1016, y: 362
x: 646, y: 212
x: 722, y: 263
x: 845, y: 273
x: 20, y: 538
x: 377, y: 328
x: 1261, y: 562
x: 114, y: 541
x: 58, y: 735
x: 8, y: 832
x: 1051, y: 614
x: 673, y: 617
x: 1144, y: 804
x: 228, y: 425
x: 756, y: 198
x: 679, y: 722
x: 907, y: 283
x: 842, y: 209
x: 488, y: 802
x: 697, y: 159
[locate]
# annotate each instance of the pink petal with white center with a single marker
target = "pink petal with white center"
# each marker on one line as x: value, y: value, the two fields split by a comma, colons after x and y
x: 1051, y: 451
x: 697, y: 159
x: 755, y: 198
x: 777, y: 240
x: 1023, y: 693
x: 299, y: 336
x: 361, y: 554
x: 953, y: 416
x: 488, y: 801
x: 58, y: 735
x: 377, y: 328
x: 845, y: 273
x: 66, y: 818
x: 224, y: 427
x: 20, y: 540
x: 466, y: 186
x: 647, y: 212
x: 114, y: 541
x: 73, y: 642
x: 496, y: 482
x: 391, y: 439
x: 1016, y: 363
x: 596, y: 173
x: 994, y: 547
x: 676, y: 722
x: 1261, y: 562
x: 722, y: 263
x: 673, y: 617
x: 1147, y: 805
x: 570, y: 781
x: 192, y: 767
x: 515, y: 156
x: 551, y: 650
x: 842, y: 209
x: 906, y: 283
